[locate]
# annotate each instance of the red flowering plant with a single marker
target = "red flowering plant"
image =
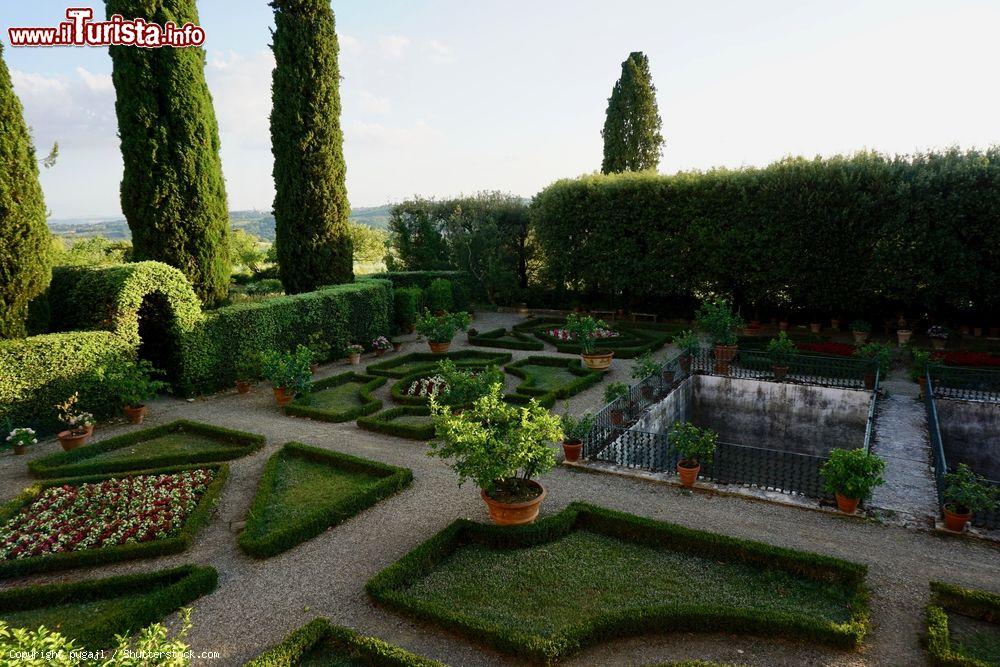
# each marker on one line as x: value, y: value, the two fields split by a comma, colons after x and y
x: 831, y: 348
x: 968, y: 358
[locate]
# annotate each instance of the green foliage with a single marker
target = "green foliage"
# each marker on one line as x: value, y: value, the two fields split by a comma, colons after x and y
x: 289, y: 370
x: 632, y: 139
x: 861, y: 326
x: 879, y: 353
x: 463, y: 386
x: 310, y: 204
x: 96, y: 251
x: 576, y: 428
x: 615, y: 391
x: 442, y: 328
x: 632, y: 339
x: 246, y: 250
x: 368, y: 244
x: 408, y: 421
x: 645, y: 365
x: 339, y: 398
x: 694, y: 445
x: 853, y: 473
x: 549, y: 378
x: 501, y: 338
x: 965, y: 491
x: 980, y: 605
x: 135, y: 383
x: 781, y: 350
x: 439, y: 296
x: 688, y: 342
x: 263, y: 287
x: 25, y: 254
x: 416, y: 362
x: 407, y: 303
x: 716, y: 317
x: 584, y: 328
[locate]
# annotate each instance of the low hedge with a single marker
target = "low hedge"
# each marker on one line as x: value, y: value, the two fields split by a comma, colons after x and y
x: 501, y: 339
x: 356, y: 647
x: 232, y: 445
x: 392, y: 480
x: 976, y: 604
x: 384, y: 422
x: 388, y: 586
x: 636, y: 338
x: 407, y: 303
x: 301, y: 406
x: 584, y: 378
x: 201, y: 515
x: 151, y: 597
x: 424, y: 361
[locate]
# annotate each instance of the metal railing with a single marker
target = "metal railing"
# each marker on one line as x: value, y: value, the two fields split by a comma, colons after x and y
x: 970, y: 384
x: 844, y: 372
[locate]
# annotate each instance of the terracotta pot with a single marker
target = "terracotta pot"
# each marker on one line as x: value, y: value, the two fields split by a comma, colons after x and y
x: 835, y: 324
x: 243, y: 386
x: 780, y: 372
x: 515, y: 514
x: 860, y: 337
x: 617, y: 417
x: 70, y: 440
x: 668, y: 377
x: 922, y: 381
x: 955, y: 521
x: 380, y: 353
x: 354, y: 359
x: 522, y: 309
x: 647, y: 392
x: 135, y: 415
x: 685, y: 363
x: 939, y: 343
x: 688, y: 474
x: 903, y: 335
x: 783, y: 325
x: 598, y: 361
x: 20, y: 450
x: 869, y: 381
x: 977, y: 331
x: 815, y: 327
x: 313, y: 368
x: 572, y: 449
x: 396, y: 347
x: 724, y: 354
x: 847, y: 505
x: 282, y: 396
x: 439, y: 348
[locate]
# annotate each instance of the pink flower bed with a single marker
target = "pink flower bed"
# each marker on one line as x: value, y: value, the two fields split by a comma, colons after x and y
x: 104, y: 514
x: 425, y: 387
x: 562, y: 334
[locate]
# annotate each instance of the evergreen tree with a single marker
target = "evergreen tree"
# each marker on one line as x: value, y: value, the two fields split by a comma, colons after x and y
x: 25, y: 259
x: 632, y: 139
x: 310, y: 204
x: 172, y: 193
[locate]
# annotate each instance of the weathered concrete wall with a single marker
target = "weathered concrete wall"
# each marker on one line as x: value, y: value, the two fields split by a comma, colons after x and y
x: 675, y: 407
x: 970, y: 432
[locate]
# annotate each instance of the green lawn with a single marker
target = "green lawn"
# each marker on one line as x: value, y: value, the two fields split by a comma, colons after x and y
x: 173, y: 444
x: 68, y: 619
x: 548, y: 378
x: 346, y: 396
x: 975, y: 639
x: 328, y: 653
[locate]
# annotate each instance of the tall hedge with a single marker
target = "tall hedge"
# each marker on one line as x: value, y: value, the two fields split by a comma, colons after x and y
x: 632, y: 139
x: 25, y: 261
x: 311, y: 210
x: 172, y: 193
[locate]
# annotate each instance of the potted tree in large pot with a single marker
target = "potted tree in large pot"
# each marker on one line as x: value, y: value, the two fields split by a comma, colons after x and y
x: 851, y: 475
x: 439, y: 330
x: 616, y: 394
x: 965, y: 493
x: 780, y: 351
x: 500, y: 447
x: 689, y: 345
x: 575, y: 429
x: 881, y: 360
x: 646, y: 366
x: 860, y: 329
x: 717, y: 318
x: 79, y: 424
x: 694, y: 446
x: 289, y: 372
x: 584, y: 330
x: 135, y: 386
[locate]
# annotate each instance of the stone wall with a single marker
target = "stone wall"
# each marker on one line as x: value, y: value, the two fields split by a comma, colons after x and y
x: 970, y: 432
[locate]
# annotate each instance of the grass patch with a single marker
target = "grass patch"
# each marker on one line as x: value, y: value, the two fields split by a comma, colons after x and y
x: 93, y: 612
x: 177, y: 443
x: 963, y: 627
x: 306, y: 490
x: 557, y: 376
x: 588, y: 574
x: 514, y: 340
x: 413, y: 422
x: 339, y: 398
x: 415, y: 362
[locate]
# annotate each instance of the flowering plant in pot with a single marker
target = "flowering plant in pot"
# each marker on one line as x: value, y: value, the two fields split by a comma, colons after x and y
x: 463, y: 386
x: 689, y: 345
x: 938, y: 335
x: 501, y: 448
x: 860, y: 329
x: 439, y: 330
x: 79, y: 424
x: 354, y: 352
x: 381, y: 345
x: 780, y: 351
x: 646, y: 366
x: 965, y: 492
x: 135, y: 385
x: 851, y: 475
x: 586, y: 331
x: 617, y: 393
x: 575, y: 429
x: 694, y: 446
x: 288, y: 372
x: 717, y: 318
x: 881, y: 356
x: 20, y: 439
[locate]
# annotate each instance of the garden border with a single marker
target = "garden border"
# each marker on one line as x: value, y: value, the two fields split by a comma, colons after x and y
x: 382, y: 422
x: 647, y: 341
x: 492, y: 338
x: 460, y: 357
x: 585, y: 378
x: 982, y: 605
x: 301, y: 408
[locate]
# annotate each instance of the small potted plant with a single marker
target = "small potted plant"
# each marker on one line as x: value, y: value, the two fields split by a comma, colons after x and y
x: 965, y: 492
x: 471, y: 333
x: 500, y: 447
x: 247, y: 367
x: 584, y: 330
x: 381, y: 345
x: 320, y: 350
x: 575, y: 429
x: 354, y: 352
x: 646, y: 366
x: 717, y: 318
x: 851, y: 475
x: 815, y: 327
x: 439, y: 330
x: 860, y: 329
x: 20, y: 439
x: 689, y: 345
x: 80, y: 424
x: 617, y: 393
x: 397, y: 345
x: 780, y: 351
x: 694, y: 446
x: 918, y: 371
x: 881, y: 356
x: 136, y: 386
x: 835, y: 323
x: 903, y: 332
x: 938, y: 335
x: 288, y: 372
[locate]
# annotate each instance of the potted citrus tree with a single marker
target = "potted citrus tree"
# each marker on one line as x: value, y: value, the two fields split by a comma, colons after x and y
x: 247, y: 367
x: 584, y: 329
x: 135, y: 386
x: 881, y: 358
x: 617, y: 393
x: 694, y: 446
x: 288, y: 372
x: 79, y: 424
x: 646, y: 366
x: 575, y: 429
x: 780, y: 351
x: 860, y: 329
x: 20, y: 439
x: 851, y: 475
x: 439, y: 330
x: 689, y: 345
x: 501, y: 448
x: 717, y: 318
x: 965, y: 492
x: 320, y: 350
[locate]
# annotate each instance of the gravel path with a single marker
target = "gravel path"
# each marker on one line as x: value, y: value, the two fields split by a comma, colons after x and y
x: 258, y: 602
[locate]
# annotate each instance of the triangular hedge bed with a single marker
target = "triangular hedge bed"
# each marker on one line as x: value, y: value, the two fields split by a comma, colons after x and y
x: 391, y: 422
x: 361, y: 402
x: 975, y: 605
x: 305, y: 490
x: 416, y: 362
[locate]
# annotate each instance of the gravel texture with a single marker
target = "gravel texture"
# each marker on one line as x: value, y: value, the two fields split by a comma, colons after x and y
x: 259, y: 602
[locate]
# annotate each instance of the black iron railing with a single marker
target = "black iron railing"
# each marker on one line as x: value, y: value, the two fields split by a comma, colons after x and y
x: 971, y: 384
x: 844, y: 372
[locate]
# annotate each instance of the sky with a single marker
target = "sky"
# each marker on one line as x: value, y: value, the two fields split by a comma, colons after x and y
x: 449, y: 97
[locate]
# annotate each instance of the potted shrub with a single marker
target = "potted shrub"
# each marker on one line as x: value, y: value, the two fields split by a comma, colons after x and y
x: 320, y: 350
x: 646, y: 366
x: 815, y: 327
x: 860, y: 330
x: 20, y: 439
x: 780, y: 351
x: 938, y: 335
x: 439, y: 330
x: 288, y: 372
x: 903, y: 332
x: 136, y: 386
x: 835, y: 323
x: 694, y: 446
x: 718, y: 319
x: 584, y: 329
x: 463, y: 386
x: 397, y: 345
x: 79, y: 424
x: 965, y: 492
x: 881, y: 356
x: 922, y: 362
x: 575, y: 429
x: 471, y: 333
x: 247, y: 369
x: 612, y: 393
x: 689, y: 345
x: 851, y: 475
x: 501, y: 448
x: 381, y: 345
x: 354, y: 352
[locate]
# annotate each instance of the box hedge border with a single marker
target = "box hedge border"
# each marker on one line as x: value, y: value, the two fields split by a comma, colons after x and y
x: 198, y: 518
x: 393, y: 479
x: 430, y: 361
x: 386, y: 587
x: 301, y: 407
x: 370, y: 650
x: 492, y: 338
x: 637, y: 338
x: 966, y: 601
x: 384, y: 422
x: 74, y: 463
x: 585, y: 378
x: 183, y: 585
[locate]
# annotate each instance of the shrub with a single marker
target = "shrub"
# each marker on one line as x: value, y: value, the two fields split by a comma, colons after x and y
x: 717, y: 318
x: 289, y: 370
x: 853, y: 473
x: 980, y: 605
x: 576, y: 428
x: 135, y: 383
x: 464, y: 386
x: 688, y: 342
x: 781, y: 350
x: 441, y: 328
x: 500, y: 338
x: 583, y: 329
x: 694, y: 445
x: 406, y: 303
x: 879, y: 353
x: 361, y: 402
x: 388, y: 422
x: 439, y: 296
x: 615, y: 391
x: 965, y: 491
x: 861, y: 326
x: 266, y: 286
x: 645, y: 366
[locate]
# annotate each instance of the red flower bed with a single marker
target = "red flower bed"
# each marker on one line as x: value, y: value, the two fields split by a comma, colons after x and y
x: 968, y: 358
x: 835, y: 349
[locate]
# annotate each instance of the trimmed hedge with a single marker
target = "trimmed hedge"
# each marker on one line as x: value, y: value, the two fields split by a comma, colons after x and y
x: 635, y: 339
x: 400, y: 386
x: 424, y: 361
x: 152, y: 596
x: 502, y: 339
x: 356, y: 647
x: 407, y: 304
x: 201, y: 515
x: 385, y: 422
x: 977, y: 604
x: 584, y: 380
x: 283, y: 538
x: 232, y: 445
x: 301, y: 407
x: 388, y: 586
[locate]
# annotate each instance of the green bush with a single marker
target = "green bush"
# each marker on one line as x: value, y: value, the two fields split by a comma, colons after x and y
x: 387, y: 422
x: 399, y: 367
x: 439, y: 296
x: 501, y: 338
x: 976, y: 604
x: 364, y: 403
x: 694, y: 445
x: 441, y: 328
x: 853, y: 473
x: 407, y: 302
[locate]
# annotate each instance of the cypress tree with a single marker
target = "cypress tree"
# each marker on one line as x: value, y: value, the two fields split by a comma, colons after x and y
x: 173, y: 193
x: 632, y: 139
x: 25, y: 260
x: 310, y: 204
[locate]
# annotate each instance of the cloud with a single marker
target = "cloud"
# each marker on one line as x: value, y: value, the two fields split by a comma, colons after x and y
x: 98, y: 83
x: 438, y: 52
x: 417, y: 135
x: 241, y: 90
x: 393, y: 47
x: 73, y: 110
x: 372, y: 103
x: 350, y: 45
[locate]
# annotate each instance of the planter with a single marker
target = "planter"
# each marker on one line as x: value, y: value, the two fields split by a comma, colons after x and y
x: 600, y: 360
x: 860, y: 337
x: 354, y: 359
x: 835, y: 324
x: 572, y: 449
x: 780, y: 372
x: 977, y: 331
x: 955, y: 521
x: 617, y: 417
x: 869, y: 381
x: 724, y: 355
x: 439, y: 348
x: 668, y: 377
x: 815, y: 327
x: 688, y: 474
x: 282, y: 396
x: 396, y: 347
x: 70, y: 440
x: 922, y: 381
x: 243, y: 386
x: 939, y: 343
x: 515, y: 514
x: 379, y: 353
x: 903, y: 335
x: 20, y: 450
x: 847, y: 505
x: 135, y: 415
x: 783, y: 325
x: 685, y: 362
x: 313, y: 368
x: 522, y: 309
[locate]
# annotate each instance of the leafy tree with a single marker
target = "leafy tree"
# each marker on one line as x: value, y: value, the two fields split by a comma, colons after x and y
x: 632, y: 139
x: 172, y: 193
x: 368, y: 243
x: 96, y: 251
x: 25, y: 245
x: 310, y: 204
x: 245, y: 250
